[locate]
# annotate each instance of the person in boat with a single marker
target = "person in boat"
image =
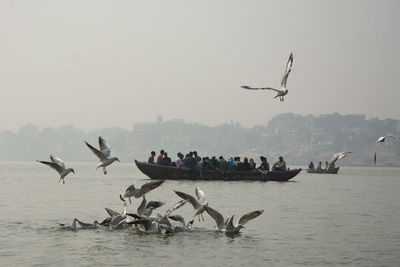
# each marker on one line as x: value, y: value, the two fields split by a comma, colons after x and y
x: 196, y: 157
x: 214, y: 162
x: 189, y: 162
x: 311, y: 166
x: 151, y: 158
x: 264, y: 166
x: 230, y: 164
x: 319, y: 166
x: 326, y: 165
x: 238, y: 164
x: 160, y: 157
x: 252, y: 164
x: 166, y: 160
x: 222, y: 165
x: 246, y: 164
x: 179, y: 160
x: 280, y: 165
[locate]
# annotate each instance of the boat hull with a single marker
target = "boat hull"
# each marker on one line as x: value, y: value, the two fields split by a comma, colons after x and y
x: 331, y: 171
x: 161, y: 172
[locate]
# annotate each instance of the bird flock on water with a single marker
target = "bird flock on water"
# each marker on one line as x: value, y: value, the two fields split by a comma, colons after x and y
x: 167, y: 222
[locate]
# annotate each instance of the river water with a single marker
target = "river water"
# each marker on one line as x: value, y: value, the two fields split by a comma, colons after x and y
x: 352, y: 219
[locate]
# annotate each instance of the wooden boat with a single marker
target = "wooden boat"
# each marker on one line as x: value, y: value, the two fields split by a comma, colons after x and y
x: 161, y: 172
x: 323, y: 171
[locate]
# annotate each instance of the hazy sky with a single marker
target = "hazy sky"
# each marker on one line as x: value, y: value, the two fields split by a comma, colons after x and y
x: 96, y: 64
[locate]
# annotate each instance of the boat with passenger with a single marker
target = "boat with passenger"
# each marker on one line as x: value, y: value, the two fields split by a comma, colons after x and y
x: 156, y: 171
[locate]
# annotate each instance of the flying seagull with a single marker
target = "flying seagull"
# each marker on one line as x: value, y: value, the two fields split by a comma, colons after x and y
x: 198, y: 204
x: 59, y: 166
x: 139, y: 192
x: 336, y: 157
x: 103, y: 154
x: 146, y: 208
x: 280, y: 92
x: 227, y: 225
x: 381, y: 140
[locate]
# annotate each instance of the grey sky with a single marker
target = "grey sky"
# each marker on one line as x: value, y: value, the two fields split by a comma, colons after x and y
x: 96, y: 64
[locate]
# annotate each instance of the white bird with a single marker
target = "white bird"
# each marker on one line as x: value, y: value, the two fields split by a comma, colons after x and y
x: 149, y: 226
x: 103, y: 154
x: 83, y: 225
x: 227, y: 225
x: 139, y: 192
x: 381, y: 140
x: 118, y: 221
x: 280, y: 92
x: 198, y: 204
x: 146, y: 208
x: 68, y: 227
x: 336, y: 157
x: 59, y: 166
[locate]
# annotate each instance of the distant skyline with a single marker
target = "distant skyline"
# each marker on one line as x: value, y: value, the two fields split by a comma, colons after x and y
x: 98, y: 64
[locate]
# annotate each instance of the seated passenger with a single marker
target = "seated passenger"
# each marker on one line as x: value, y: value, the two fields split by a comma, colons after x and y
x: 189, y: 162
x: 238, y: 164
x: 214, y: 162
x: 160, y: 157
x: 179, y: 160
x: 151, y: 158
x: 230, y: 164
x: 280, y: 165
x: 166, y: 160
x: 319, y: 166
x: 311, y: 166
x: 246, y: 165
x: 222, y: 164
x: 264, y: 166
x: 252, y: 164
x: 196, y: 157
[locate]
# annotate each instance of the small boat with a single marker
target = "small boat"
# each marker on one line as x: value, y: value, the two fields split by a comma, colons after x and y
x: 323, y: 171
x: 162, y: 172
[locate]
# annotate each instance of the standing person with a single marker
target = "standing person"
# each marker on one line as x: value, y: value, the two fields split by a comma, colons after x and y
x: 280, y: 165
x: 264, y: 166
x: 151, y: 158
x: 160, y: 157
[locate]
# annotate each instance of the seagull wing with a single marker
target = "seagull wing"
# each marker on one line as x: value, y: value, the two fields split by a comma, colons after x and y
x: 177, y: 218
x: 258, y: 88
x: 287, y: 71
x: 145, y: 222
x: 154, y: 204
x: 200, y: 195
x: 218, y: 218
x: 84, y: 224
x: 111, y: 212
x: 58, y: 161
x: 142, y: 207
x: 97, y: 152
x: 104, y: 148
x: 53, y: 165
x: 178, y: 205
x: 343, y: 154
x: 249, y: 216
x: 191, y: 199
x: 150, y: 186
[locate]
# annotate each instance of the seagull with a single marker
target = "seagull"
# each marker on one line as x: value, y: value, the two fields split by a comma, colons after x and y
x: 149, y: 226
x: 68, y: 227
x: 280, y: 92
x: 146, y: 208
x: 59, y: 166
x: 227, y: 225
x: 103, y: 154
x: 139, y: 192
x: 198, y: 204
x: 336, y: 157
x: 381, y: 140
x: 118, y: 220
x: 183, y: 227
x: 83, y: 225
